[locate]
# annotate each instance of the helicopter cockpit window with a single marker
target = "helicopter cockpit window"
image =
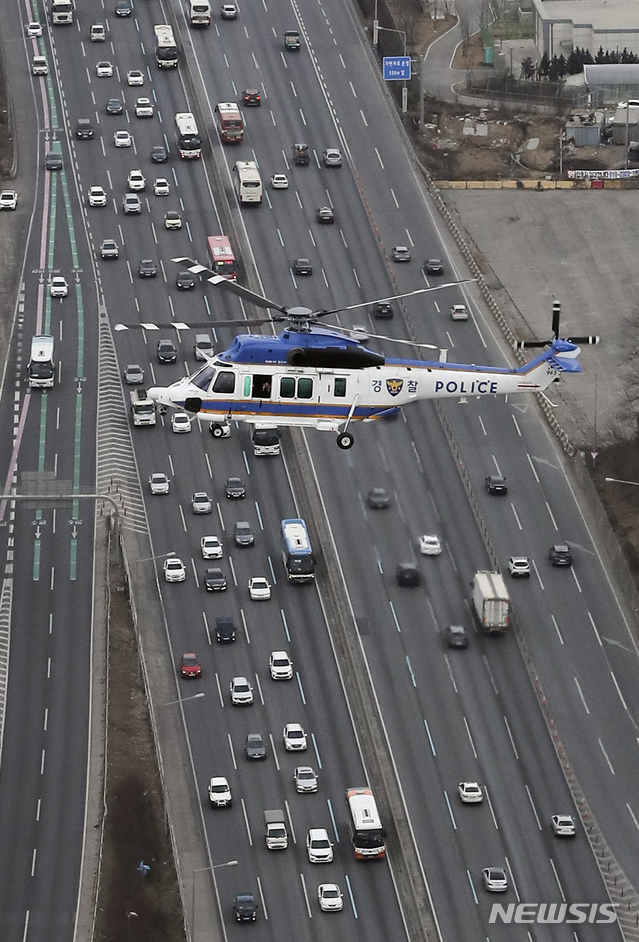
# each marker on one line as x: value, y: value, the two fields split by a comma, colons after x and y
x: 204, y: 377
x: 287, y: 387
x: 304, y: 388
x: 339, y: 389
x: 224, y: 382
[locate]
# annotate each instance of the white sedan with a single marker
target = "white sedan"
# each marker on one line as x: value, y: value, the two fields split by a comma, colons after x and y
x: 279, y: 181
x: 34, y: 30
x: 122, y: 139
x: 8, y: 199
x: 329, y: 897
x: 470, y: 793
x: 211, y: 547
x: 159, y: 483
x: 563, y: 825
x: 135, y: 77
x: 294, y: 737
x: 429, y: 545
x: 104, y: 70
x: 180, y: 422
x: 259, y: 588
x: 58, y: 287
x: 174, y: 569
x: 161, y: 187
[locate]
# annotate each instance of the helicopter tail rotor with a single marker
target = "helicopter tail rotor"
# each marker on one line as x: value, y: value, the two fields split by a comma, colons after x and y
x: 556, y: 315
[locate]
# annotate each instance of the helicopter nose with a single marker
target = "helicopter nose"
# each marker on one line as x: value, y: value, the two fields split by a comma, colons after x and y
x: 154, y: 393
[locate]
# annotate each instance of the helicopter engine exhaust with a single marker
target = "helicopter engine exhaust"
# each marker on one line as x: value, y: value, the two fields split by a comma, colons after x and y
x: 349, y: 358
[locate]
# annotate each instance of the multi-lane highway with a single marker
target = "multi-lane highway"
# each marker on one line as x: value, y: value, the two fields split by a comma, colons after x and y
x: 448, y: 715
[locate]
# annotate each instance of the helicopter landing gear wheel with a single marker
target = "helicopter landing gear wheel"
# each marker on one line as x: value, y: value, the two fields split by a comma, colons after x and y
x: 345, y: 440
x: 216, y: 430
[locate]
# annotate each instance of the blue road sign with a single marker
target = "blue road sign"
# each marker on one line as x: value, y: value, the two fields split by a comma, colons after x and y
x: 396, y: 68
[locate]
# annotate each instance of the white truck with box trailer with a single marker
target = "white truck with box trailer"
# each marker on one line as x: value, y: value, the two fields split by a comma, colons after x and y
x: 275, y: 832
x: 142, y: 408
x: 491, y: 601
x: 41, y: 365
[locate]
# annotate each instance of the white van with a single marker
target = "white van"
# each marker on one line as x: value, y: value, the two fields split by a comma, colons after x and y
x: 41, y: 366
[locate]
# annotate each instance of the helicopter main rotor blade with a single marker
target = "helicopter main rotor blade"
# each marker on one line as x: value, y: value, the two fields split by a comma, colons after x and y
x: 349, y: 331
x: 206, y: 325
x: 395, y: 297
x: 219, y: 281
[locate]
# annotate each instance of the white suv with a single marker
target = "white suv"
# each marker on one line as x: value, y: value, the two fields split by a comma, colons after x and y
x: 318, y: 846
x: 280, y: 665
x: 136, y: 180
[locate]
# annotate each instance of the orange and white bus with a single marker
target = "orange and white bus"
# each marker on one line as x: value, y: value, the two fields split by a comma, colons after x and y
x: 229, y: 122
x: 364, y: 824
x: 221, y: 256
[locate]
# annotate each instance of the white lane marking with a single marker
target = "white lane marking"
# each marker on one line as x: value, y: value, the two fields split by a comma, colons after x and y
x: 246, y: 822
x: 583, y: 699
x: 606, y: 756
x: 532, y: 805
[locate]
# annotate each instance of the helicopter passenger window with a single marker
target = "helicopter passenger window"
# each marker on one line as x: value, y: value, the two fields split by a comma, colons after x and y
x: 287, y: 387
x: 339, y: 388
x: 305, y: 388
x: 261, y: 387
x: 204, y: 377
x: 224, y: 382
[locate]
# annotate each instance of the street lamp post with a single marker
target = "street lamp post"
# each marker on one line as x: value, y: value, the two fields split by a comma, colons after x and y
x: 148, y: 559
x: 620, y: 481
x: 229, y: 863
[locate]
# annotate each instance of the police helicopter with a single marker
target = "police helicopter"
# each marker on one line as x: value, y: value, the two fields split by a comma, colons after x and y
x: 323, y: 378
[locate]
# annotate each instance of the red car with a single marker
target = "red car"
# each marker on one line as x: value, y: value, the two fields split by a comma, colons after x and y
x: 190, y: 666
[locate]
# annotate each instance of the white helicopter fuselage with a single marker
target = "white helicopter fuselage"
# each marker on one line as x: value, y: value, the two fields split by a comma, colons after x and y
x: 327, y: 398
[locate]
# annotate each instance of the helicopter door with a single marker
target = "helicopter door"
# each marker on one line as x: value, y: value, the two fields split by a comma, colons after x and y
x: 262, y: 386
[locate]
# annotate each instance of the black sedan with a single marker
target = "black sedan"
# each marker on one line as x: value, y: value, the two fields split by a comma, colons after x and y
x: 302, y: 266
x: 167, y: 352
x: 245, y: 907
x: 433, y: 266
x: 407, y: 575
x: 255, y: 748
x: 123, y: 8
x: 159, y: 154
x: 114, y: 106
x: 242, y: 533
x: 214, y: 579
x: 185, y: 281
x: 378, y: 499
x: 496, y: 484
x: 235, y: 488
x: 147, y: 268
x: 325, y: 215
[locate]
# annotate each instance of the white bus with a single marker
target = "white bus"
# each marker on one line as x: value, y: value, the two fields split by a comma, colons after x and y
x: 188, y: 137
x: 166, y: 50
x: 364, y: 824
x: 200, y: 13
x: 248, y: 184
